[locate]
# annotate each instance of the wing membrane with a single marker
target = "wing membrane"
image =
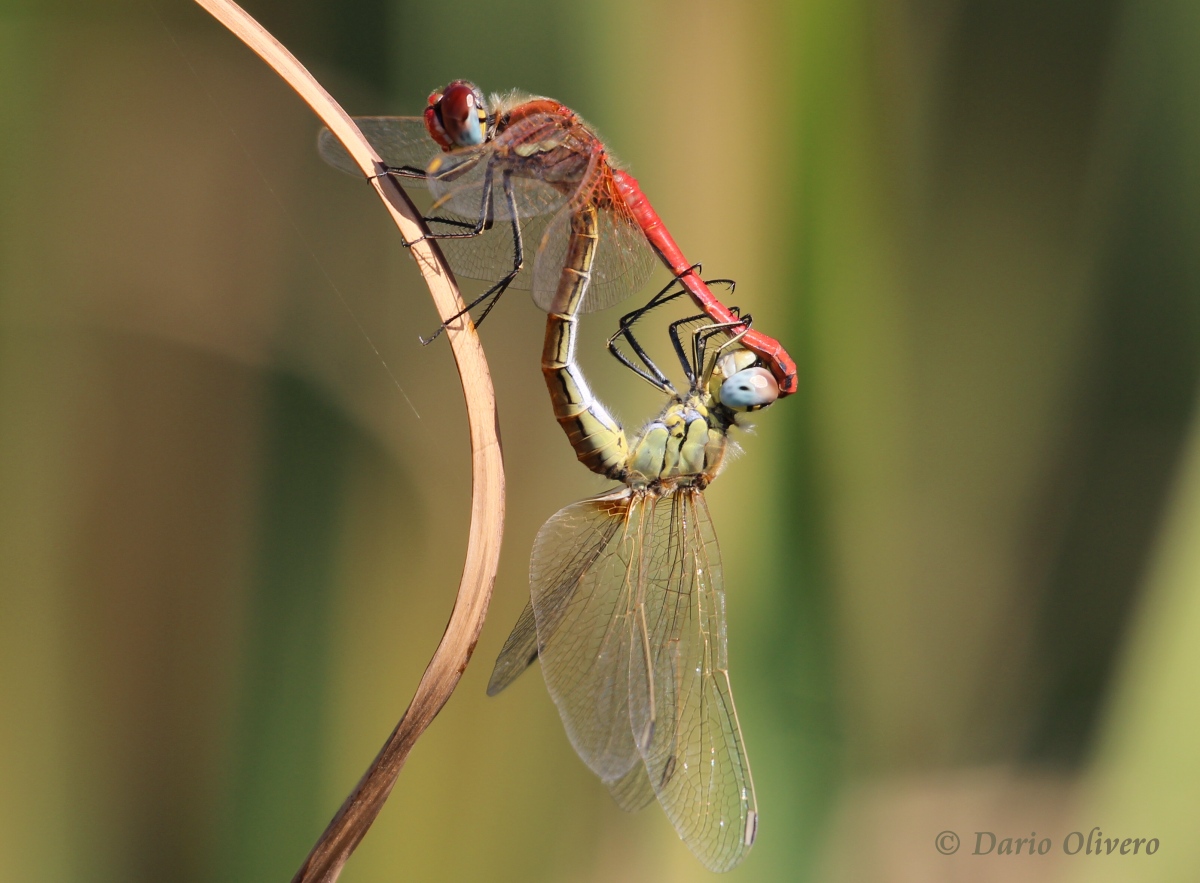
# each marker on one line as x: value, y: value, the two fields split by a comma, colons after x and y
x: 633, y: 791
x: 401, y: 142
x: 623, y: 261
x: 517, y: 654
x: 404, y: 143
x: 581, y: 603
x: 469, y: 183
x: 695, y: 759
x: 459, y: 179
x: 628, y: 600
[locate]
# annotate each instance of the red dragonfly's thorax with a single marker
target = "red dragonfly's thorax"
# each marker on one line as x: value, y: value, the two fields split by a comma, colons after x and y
x: 570, y: 155
x: 548, y: 106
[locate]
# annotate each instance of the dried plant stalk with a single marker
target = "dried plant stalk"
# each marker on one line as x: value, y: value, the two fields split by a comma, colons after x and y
x: 324, y: 864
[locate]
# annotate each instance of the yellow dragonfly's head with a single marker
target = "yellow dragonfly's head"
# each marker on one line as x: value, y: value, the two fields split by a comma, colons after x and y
x: 741, y: 383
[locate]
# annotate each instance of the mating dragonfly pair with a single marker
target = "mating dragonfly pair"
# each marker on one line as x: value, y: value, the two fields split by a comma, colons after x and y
x: 627, y: 602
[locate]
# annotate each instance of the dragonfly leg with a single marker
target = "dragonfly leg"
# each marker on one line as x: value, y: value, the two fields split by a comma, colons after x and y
x: 648, y: 370
x: 652, y: 374
x: 669, y: 293
x: 483, y: 220
x: 518, y: 251
x: 703, y: 334
x: 690, y: 366
x: 411, y: 172
x: 403, y: 172
x: 695, y: 365
x: 492, y: 295
x: 666, y: 295
x: 742, y: 325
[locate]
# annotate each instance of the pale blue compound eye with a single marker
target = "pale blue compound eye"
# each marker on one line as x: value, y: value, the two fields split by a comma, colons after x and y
x: 749, y: 390
x: 471, y: 135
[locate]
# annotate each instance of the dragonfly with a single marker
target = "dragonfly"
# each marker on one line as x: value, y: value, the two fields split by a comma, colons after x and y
x: 513, y: 173
x: 627, y: 596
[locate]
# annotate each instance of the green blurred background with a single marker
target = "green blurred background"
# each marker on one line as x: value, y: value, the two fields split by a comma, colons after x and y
x: 962, y: 563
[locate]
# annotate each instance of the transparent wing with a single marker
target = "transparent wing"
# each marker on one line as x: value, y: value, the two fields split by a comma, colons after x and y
x: 633, y: 791
x: 460, y: 179
x: 694, y: 757
x: 456, y: 178
x: 490, y: 255
x: 518, y: 653
x: 581, y: 602
x: 401, y: 142
x: 623, y: 261
x: 459, y: 196
x: 498, y: 181
x: 639, y: 614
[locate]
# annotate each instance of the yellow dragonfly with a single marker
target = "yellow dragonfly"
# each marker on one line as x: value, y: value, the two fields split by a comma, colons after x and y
x: 627, y: 595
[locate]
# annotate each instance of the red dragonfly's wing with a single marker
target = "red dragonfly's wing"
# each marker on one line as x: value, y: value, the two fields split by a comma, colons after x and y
x: 458, y: 195
x: 401, y: 142
x: 628, y: 600
x: 460, y: 179
x: 456, y: 178
x: 623, y: 260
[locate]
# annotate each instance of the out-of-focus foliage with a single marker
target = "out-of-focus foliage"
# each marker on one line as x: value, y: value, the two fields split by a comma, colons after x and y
x: 233, y: 489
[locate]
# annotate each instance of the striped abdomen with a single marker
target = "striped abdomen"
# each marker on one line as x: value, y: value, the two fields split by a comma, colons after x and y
x: 597, y: 438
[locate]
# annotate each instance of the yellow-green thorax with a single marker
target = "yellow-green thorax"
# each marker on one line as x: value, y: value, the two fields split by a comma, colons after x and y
x: 684, y: 446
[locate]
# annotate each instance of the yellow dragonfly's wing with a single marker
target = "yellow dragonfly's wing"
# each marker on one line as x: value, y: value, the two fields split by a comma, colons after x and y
x: 581, y: 603
x: 519, y: 652
x: 632, y: 791
x: 566, y: 547
x: 628, y: 602
x: 694, y: 754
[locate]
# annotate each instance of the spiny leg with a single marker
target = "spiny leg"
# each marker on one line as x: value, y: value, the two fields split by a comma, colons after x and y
x: 700, y: 337
x: 492, y: 295
x: 651, y: 373
x: 692, y: 367
x: 689, y: 368
x: 518, y: 254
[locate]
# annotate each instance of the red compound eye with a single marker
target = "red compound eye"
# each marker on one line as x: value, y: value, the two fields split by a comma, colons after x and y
x: 461, y: 111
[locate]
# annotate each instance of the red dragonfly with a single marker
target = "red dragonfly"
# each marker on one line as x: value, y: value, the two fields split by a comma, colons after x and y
x: 528, y: 165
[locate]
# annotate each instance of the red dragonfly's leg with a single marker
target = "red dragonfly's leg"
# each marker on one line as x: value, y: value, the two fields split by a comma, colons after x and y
x: 655, y: 231
x: 492, y: 295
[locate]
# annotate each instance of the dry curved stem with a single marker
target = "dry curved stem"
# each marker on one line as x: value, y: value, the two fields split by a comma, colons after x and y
x: 324, y: 864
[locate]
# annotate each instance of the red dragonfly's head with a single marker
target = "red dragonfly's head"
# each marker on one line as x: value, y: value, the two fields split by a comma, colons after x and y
x: 457, y: 116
